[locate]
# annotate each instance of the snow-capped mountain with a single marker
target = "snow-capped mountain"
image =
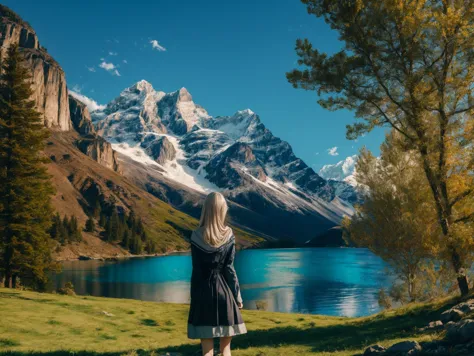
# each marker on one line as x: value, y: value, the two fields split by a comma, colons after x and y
x: 341, y: 176
x: 177, y: 140
x: 341, y: 170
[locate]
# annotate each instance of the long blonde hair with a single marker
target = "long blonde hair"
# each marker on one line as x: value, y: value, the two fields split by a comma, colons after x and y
x: 214, y: 211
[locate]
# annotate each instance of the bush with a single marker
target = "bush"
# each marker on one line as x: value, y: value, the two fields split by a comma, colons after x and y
x: 68, y: 289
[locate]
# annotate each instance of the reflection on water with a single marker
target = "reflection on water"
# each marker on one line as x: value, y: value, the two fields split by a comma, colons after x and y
x: 330, y: 281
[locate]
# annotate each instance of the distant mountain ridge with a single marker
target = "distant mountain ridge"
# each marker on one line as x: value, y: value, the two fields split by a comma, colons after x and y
x: 177, y: 140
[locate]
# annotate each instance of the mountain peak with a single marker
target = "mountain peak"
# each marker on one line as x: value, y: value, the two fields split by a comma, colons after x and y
x: 340, y: 170
x: 245, y: 112
x: 184, y: 95
x: 142, y: 85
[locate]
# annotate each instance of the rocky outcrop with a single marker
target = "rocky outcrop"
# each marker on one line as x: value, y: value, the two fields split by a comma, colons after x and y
x: 178, y: 111
x: 99, y: 150
x: 159, y: 148
x: 80, y: 117
x: 224, y: 169
x: 48, y: 78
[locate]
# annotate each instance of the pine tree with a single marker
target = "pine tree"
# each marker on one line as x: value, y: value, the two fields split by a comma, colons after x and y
x: 131, y: 219
x: 65, y: 234
x: 108, y: 230
x: 114, y: 231
x: 90, y: 224
x: 126, y: 239
x: 102, y: 219
x: 55, y: 231
x: 97, y: 209
x: 25, y: 190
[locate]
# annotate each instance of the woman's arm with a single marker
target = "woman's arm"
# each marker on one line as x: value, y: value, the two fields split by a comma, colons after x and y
x: 230, y: 275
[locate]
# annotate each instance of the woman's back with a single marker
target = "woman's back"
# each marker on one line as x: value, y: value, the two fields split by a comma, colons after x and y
x: 215, y: 292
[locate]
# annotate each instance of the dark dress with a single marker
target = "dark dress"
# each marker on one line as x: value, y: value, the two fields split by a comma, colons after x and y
x: 215, y: 291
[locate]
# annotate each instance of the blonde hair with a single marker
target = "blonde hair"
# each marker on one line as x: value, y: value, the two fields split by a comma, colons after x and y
x: 214, y: 211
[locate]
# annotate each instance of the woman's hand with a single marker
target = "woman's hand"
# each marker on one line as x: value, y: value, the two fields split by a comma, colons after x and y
x: 240, y: 305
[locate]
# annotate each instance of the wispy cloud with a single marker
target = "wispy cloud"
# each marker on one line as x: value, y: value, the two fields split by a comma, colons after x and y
x: 91, y: 104
x: 333, y: 151
x: 91, y: 69
x: 110, y: 67
x: 125, y: 61
x: 157, y: 46
x: 113, y: 53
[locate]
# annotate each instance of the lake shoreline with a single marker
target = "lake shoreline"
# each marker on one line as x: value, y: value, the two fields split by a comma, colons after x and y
x: 329, y: 281
x: 174, y: 252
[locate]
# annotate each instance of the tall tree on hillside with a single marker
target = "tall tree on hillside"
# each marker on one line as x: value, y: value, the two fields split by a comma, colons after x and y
x: 408, y: 65
x: 25, y: 189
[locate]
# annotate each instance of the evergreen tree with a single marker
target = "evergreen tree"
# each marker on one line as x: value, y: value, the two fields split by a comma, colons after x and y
x: 55, y: 231
x: 131, y: 219
x: 25, y: 190
x: 65, y: 230
x: 136, y: 245
x: 126, y: 239
x: 102, y: 219
x: 90, y: 224
x: 114, y: 230
x: 108, y: 230
x: 97, y: 209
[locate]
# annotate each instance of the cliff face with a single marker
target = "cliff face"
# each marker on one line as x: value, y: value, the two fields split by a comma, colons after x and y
x: 80, y: 117
x: 99, y: 150
x: 48, y: 79
x: 90, y: 143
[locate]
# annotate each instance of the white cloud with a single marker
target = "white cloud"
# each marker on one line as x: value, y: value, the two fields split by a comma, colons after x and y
x: 90, y: 69
x: 333, y: 151
x: 316, y: 153
x: 91, y: 104
x: 113, y: 53
x: 125, y: 61
x: 157, y: 46
x: 110, y: 67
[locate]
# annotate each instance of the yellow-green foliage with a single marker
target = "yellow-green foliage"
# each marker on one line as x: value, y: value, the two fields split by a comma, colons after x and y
x: 407, y: 65
x: 33, y: 322
x: 397, y: 220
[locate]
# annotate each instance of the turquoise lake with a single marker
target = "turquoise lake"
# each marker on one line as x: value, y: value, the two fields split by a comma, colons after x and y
x: 328, y: 281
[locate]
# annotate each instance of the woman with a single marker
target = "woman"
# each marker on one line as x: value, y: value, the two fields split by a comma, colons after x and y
x: 215, y: 291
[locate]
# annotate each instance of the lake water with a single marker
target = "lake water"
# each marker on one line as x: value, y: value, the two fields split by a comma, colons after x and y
x: 329, y: 281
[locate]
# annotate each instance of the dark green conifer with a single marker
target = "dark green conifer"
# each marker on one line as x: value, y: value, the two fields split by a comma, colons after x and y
x: 90, y: 224
x: 25, y: 189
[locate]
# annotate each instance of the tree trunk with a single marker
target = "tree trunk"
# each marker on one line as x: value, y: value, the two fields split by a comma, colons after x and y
x: 463, y: 282
x: 444, y: 215
x: 463, y: 285
x: 14, y: 279
x: 8, y: 280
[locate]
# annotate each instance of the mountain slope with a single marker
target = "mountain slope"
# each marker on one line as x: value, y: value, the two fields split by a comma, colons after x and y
x: 84, y: 168
x: 174, y: 142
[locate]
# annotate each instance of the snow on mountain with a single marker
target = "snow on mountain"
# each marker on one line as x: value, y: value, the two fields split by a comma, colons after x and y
x: 234, y: 154
x: 339, y: 171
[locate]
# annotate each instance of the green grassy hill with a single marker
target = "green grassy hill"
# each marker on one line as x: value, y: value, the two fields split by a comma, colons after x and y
x: 50, y: 324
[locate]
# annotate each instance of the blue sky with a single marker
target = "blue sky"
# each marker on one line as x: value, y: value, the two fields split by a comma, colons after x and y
x: 230, y: 55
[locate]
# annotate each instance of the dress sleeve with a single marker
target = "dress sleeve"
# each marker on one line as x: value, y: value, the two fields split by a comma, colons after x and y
x: 230, y: 275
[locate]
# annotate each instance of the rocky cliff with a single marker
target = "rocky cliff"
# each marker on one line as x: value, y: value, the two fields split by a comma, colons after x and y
x: 80, y: 117
x: 90, y: 143
x: 99, y: 150
x: 48, y: 78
